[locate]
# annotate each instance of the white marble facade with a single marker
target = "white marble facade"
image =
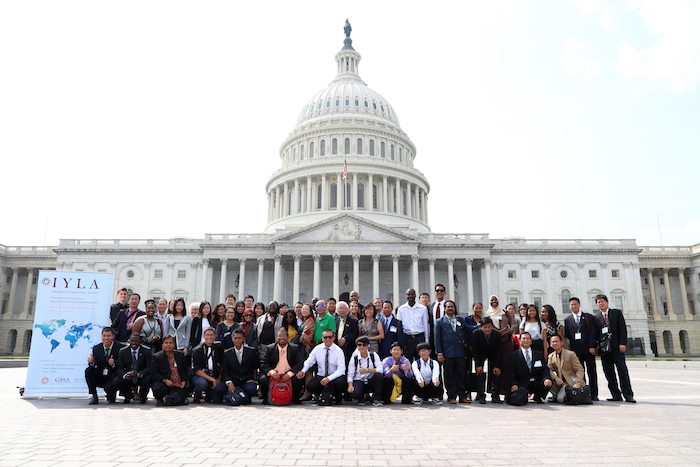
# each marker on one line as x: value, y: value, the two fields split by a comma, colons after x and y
x: 330, y: 232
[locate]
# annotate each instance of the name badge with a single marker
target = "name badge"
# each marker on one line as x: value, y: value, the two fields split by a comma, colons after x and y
x: 577, y: 336
x: 175, y: 365
x: 538, y: 364
x: 458, y: 323
x: 604, y: 330
x: 105, y: 372
x: 392, y: 328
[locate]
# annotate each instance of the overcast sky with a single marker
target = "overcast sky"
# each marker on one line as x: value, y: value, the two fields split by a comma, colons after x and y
x: 546, y: 119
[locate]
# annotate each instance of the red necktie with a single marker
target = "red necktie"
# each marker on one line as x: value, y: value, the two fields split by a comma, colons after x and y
x: 437, y: 311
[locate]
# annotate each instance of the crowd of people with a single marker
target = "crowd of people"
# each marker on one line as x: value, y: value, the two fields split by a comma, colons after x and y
x: 331, y: 351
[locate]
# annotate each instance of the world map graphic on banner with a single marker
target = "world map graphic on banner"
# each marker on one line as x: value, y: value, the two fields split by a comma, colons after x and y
x: 73, y: 335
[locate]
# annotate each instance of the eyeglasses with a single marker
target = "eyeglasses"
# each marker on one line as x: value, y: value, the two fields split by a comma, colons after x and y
x: 327, y: 337
x: 247, y: 316
x: 362, y: 344
x: 320, y: 307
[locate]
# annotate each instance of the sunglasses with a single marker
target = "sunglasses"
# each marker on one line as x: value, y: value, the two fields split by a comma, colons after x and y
x: 362, y: 344
x: 327, y: 337
x: 439, y: 291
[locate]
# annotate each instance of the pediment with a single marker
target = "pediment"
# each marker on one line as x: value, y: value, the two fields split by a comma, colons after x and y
x: 345, y: 228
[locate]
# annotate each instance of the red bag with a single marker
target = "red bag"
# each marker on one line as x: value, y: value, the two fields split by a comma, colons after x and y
x: 280, y: 392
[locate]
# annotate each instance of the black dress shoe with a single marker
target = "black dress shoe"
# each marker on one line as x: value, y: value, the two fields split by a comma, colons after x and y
x: 126, y: 400
x: 614, y: 399
x: 538, y: 400
x: 93, y: 401
x: 482, y: 399
x: 631, y: 400
x: 595, y: 399
x: 143, y: 400
x: 496, y: 400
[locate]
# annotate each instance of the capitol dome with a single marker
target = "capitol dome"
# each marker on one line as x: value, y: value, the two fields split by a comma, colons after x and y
x: 348, y: 153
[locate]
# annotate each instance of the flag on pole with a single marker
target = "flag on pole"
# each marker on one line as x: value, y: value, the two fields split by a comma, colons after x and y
x: 345, y: 169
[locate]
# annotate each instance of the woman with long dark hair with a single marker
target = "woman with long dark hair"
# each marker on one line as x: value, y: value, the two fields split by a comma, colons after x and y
x: 535, y: 327
x: 552, y: 326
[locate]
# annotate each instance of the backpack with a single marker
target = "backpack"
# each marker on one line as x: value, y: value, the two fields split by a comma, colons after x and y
x: 357, y: 361
x: 236, y: 398
x: 420, y: 360
x: 280, y: 392
x: 173, y: 398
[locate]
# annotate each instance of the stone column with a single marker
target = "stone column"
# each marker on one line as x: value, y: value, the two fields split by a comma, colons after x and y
x: 295, y: 292
x: 13, y: 290
x: 397, y: 190
x: 336, y: 276
x: 222, y: 283
x: 205, y: 281
x: 652, y: 293
x: 296, y: 198
x: 269, y: 206
x: 470, y: 281
x: 370, y: 197
x: 395, y: 271
x: 582, y: 290
x: 684, y: 295
x: 451, y: 278
x: 414, y: 274
x: 375, y: 276
x: 309, y: 195
x: 486, y: 275
x: 147, y: 280
x: 261, y: 278
x: 385, y: 200
x: 171, y: 288
x: 669, y: 301
x: 431, y: 273
x: 548, y: 295
x: 523, y: 281
x: 28, y: 294
x: 278, y: 203
x: 324, y: 197
x: 241, y: 278
x: 285, y: 201
x: 356, y: 272
x: 354, y: 191
x: 409, y: 190
x: 277, y: 279
x: 317, y: 276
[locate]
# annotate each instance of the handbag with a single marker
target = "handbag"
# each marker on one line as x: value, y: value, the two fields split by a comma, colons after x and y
x: 577, y: 396
x: 604, y: 344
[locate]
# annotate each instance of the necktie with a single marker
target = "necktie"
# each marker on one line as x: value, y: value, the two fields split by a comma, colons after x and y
x: 239, y: 354
x: 327, y: 358
x: 528, y: 359
x: 134, y: 360
x: 605, y: 319
x: 437, y: 311
x: 341, y: 328
x: 107, y: 353
x: 210, y: 363
x: 453, y: 322
x: 578, y: 319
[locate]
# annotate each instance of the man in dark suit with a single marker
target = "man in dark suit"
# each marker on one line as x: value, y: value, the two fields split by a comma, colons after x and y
x: 134, y: 370
x: 102, y: 367
x: 582, y: 332
x: 450, y: 346
x: 114, y: 310
x: 126, y: 317
x: 436, y: 310
x: 487, y: 347
x: 239, y: 365
x: 528, y: 374
x: 170, y: 372
x: 347, y: 330
x: 393, y: 330
x: 611, y: 321
x: 281, y: 362
x: 206, y: 366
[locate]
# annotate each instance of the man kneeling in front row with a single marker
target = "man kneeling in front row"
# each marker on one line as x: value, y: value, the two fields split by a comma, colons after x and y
x: 528, y: 374
x: 330, y: 361
x: 238, y: 371
x: 365, y: 373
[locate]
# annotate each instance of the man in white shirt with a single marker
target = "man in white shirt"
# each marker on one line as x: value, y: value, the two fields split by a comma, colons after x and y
x: 414, y: 317
x: 365, y: 373
x: 330, y: 361
x: 427, y: 374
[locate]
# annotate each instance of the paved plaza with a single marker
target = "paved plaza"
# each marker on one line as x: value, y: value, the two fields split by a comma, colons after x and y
x: 662, y: 428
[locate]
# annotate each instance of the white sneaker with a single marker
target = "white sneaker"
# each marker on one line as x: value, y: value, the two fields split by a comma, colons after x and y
x: 436, y: 401
x: 377, y: 404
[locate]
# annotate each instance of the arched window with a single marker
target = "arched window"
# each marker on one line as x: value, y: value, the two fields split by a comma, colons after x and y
x: 668, y: 343
x: 565, y: 296
x: 334, y: 196
x: 323, y: 147
x: 371, y: 147
x: 404, y: 197
x: 347, y: 145
x: 360, y: 195
x: 334, y: 146
x: 27, y: 341
x: 392, y: 152
x: 685, y: 342
x: 374, y: 196
x: 359, y: 146
x: 294, y: 154
x: 301, y: 152
x: 382, y: 149
x: 311, y: 149
x: 400, y: 154
x: 393, y: 199
x: 11, y: 341
x: 319, y: 193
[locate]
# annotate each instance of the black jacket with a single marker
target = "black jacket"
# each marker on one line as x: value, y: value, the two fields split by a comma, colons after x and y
x: 588, y: 329
x: 199, y: 358
x: 487, y: 349
x: 242, y: 372
x: 272, y: 358
x: 616, y: 326
x: 160, y: 368
x: 143, y: 364
x: 521, y: 374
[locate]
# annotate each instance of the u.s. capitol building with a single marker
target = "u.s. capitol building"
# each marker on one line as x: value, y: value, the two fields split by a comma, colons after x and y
x: 331, y: 230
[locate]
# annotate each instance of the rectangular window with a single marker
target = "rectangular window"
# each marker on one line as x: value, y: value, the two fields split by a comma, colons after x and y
x: 513, y: 300
x: 512, y: 274
x: 5, y: 304
x: 182, y: 274
x: 617, y: 301
x: 535, y: 274
x: 661, y: 280
x: 538, y: 302
x: 31, y: 308
x: 665, y: 308
x: 615, y: 273
x: 158, y: 274
x: 34, y: 278
x: 8, y: 278
x: 646, y: 281
x: 592, y: 273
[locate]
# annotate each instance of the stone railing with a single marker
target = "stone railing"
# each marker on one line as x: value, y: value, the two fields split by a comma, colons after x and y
x: 135, y: 243
x: 237, y: 238
x: 27, y: 250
